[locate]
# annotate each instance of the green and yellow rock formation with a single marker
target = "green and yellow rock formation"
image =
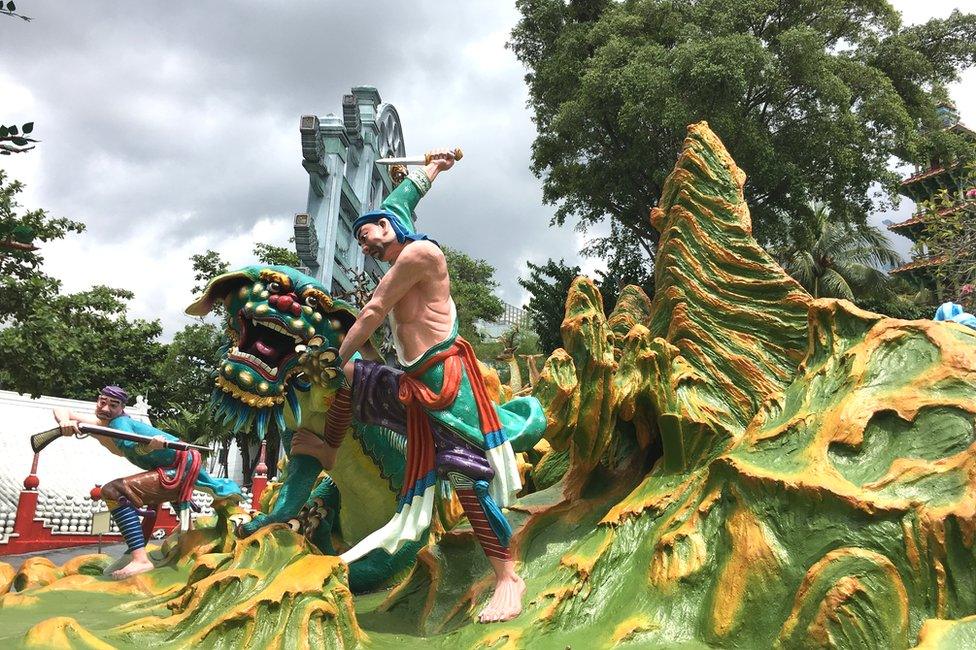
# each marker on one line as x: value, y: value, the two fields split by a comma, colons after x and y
x: 734, y: 464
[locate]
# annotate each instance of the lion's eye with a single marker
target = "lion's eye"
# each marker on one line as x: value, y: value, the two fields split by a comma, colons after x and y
x: 274, y: 287
x: 312, y: 302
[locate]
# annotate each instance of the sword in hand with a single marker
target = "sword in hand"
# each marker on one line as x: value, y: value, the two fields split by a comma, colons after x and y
x: 417, y: 160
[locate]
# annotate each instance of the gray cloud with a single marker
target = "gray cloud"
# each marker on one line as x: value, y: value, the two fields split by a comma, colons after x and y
x: 185, y: 116
x: 170, y: 128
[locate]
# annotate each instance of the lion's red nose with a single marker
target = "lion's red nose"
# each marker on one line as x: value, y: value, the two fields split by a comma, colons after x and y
x: 286, y: 303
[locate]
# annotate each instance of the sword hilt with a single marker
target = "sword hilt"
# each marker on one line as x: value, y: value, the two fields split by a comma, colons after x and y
x: 457, y: 153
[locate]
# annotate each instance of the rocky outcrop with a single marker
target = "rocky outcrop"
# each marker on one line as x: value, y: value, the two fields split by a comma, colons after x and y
x: 733, y: 464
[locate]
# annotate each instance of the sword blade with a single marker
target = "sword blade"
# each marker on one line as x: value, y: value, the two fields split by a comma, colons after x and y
x: 406, y: 160
x: 416, y: 160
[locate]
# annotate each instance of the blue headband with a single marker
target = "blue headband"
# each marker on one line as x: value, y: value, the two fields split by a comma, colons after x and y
x: 402, y: 233
x: 374, y: 217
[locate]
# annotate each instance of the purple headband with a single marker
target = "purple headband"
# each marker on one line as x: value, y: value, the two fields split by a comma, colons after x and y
x: 115, y: 393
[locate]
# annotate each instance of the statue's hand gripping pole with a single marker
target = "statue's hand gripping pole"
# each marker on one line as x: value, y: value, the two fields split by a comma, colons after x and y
x: 416, y: 160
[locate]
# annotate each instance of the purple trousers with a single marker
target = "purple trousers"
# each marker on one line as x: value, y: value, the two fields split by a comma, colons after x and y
x: 375, y: 400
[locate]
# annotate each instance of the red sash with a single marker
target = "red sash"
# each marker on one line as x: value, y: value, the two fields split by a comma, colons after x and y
x: 418, y: 398
x: 184, y: 477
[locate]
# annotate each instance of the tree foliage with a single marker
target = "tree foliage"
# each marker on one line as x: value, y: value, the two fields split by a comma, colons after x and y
x: 811, y: 98
x: 10, y: 9
x: 835, y: 260
x: 627, y: 263
x: 186, y: 371
x: 206, y: 266
x: 186, y: 374
x: 19, y: 258
x: 70, y: 345
x: 64, y: 344
x: 16, y: 140
x: 908, y: 299
x: 276, y: 255
x: 472, y: 287
x: 548, y: 286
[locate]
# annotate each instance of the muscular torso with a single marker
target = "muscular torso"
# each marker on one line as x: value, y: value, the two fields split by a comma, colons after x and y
x: 424, y: 315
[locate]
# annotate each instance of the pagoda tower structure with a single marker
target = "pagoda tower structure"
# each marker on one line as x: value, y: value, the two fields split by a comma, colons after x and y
x: 947, y: 185
x: 339, y: 152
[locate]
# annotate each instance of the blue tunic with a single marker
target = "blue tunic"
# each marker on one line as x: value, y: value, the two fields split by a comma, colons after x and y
x: 148, y: 459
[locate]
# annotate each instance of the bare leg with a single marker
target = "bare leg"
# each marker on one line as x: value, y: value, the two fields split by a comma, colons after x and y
x: 120, y: 500
x: 140, y: 564
x: 506, y: 602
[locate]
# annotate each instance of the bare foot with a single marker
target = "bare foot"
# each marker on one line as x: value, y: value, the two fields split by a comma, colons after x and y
x: 506, y: 602
x: 135, y: 567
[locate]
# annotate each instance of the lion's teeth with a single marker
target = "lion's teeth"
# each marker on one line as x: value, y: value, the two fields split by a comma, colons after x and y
x: 273, y: 325
x: 250, y: 357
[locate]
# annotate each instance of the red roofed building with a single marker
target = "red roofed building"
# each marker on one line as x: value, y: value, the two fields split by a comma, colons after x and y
x: 922, y: 187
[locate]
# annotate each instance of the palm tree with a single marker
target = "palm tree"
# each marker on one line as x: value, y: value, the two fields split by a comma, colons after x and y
x: 834, y: 260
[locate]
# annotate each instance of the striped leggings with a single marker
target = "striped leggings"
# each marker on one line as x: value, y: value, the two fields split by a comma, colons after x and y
x: 475, y: 512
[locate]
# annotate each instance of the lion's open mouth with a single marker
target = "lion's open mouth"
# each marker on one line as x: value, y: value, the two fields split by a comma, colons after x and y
x: 265, y: 345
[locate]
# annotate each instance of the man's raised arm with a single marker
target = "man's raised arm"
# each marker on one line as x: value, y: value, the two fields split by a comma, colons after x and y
x: 402, y: 200
x: 440, y: 161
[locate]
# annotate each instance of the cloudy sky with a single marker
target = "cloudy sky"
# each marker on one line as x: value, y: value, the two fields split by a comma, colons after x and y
x: 171, y: 128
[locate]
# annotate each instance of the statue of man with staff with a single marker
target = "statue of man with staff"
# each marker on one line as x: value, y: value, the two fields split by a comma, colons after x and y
x: 170, y: 474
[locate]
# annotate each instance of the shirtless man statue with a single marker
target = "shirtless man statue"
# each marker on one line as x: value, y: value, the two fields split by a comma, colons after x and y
x: 169, y: 475
x: 438, y: 400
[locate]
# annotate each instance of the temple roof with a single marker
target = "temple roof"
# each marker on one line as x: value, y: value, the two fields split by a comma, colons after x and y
x: 955, y: 127
x: 920, y: 217
x: 921, y: 263
x: 928, y: 173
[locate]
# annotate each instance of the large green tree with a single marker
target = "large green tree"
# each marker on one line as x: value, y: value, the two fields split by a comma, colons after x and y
x: 813, y: 98
x: 186, y: 372
x: 64, y: 344
x: 70, y: 344
x: 22, y: 281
